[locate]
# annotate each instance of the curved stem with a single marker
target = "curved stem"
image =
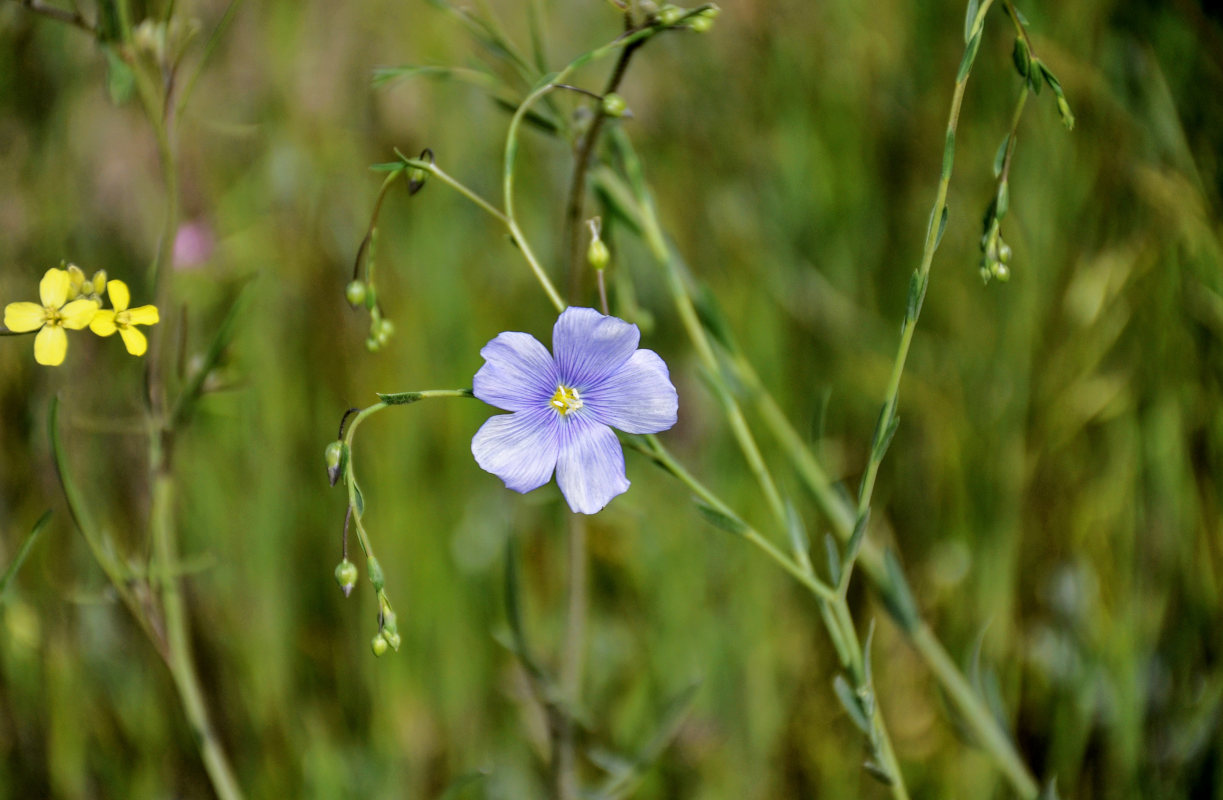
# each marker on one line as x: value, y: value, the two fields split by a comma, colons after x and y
x: 933, y: 235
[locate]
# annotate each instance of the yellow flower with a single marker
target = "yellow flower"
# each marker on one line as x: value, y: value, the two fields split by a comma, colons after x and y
x: 89, y: 288
x: 124, y: 319
x: 51, y: 317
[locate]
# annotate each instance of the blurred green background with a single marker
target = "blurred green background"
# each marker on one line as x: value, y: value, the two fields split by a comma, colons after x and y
x: 1054, y: 487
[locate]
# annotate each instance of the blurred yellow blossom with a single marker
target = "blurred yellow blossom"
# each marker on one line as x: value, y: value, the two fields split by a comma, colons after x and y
x: 123, y: 319
x: 51, y: 317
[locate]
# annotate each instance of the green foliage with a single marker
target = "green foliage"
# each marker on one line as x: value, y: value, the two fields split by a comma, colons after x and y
x: 1055, y: 475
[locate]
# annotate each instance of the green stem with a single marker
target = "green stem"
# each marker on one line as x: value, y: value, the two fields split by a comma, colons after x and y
x: 178, y: 657
x: 976, y: 716
x: 933, y: 235
x: 356, y: 500
x: 660, y: 454
x: 704, y: 348
x: 575, y: 205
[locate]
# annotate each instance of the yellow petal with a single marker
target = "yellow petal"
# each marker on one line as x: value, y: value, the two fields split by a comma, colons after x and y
x: 103, y: 322
x: 119, y: 295
x: 24, y: 317
x: 53, y: 288
x: 134, y: 340
x: 143, y: 315
x: 78, y: 313
x: 50, y: 345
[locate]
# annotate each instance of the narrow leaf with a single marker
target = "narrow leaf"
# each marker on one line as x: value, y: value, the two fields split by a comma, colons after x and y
x: 399, y: 398
x: 897, y: 595
x: 948, y: 154
x: 23, y: 552
x: 833, y: 551
x: 970, y: 55
x: 1021, y: 56
x: 849, y: 700
x: 970, y: 19
x: 1000, y: 156
x: 1004, y: 199
x: 878, y: 772
x: 799, y: 540
x: 358, y: 499
x: 720, y: 519
x: 942, y: 226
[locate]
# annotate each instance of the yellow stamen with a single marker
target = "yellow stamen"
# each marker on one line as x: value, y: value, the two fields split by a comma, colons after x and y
x: 565, y: 400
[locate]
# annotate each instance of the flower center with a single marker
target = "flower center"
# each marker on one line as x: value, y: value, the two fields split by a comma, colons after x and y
x: 565, y: 400
x: 51, y: 316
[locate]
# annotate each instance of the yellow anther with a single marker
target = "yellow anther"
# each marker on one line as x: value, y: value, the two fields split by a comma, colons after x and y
x: 566, y: 400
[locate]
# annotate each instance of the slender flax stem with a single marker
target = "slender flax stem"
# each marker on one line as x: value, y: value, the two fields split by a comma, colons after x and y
x: 576, y: 203
x: 933, y: 235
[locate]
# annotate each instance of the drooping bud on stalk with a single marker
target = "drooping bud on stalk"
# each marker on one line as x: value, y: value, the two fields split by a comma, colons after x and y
x: 379, y: 644
x: 334, y: 456
x: 613, y: 105
x: 355, y: 293
x: 346, y: 576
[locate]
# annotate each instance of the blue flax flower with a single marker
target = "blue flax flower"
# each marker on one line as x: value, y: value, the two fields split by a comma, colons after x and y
x: 564, y: 407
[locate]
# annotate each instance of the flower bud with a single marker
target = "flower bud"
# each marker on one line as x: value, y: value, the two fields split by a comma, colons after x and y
x: 670, y: 14
x: 355, y: 293
x: 371, y: 344
x: 1002, y: 272
x: 334, y: 456
x: 392, y: 639
x: 597, y: 254
x: 613, y: 105
x: 383, y: 331
x: 704, y: 21
x: 1004, y: 252
x: 346, y: 576
x: 379, y: 644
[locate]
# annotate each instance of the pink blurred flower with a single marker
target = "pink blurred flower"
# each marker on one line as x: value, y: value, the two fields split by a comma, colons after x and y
x: 193, y: 245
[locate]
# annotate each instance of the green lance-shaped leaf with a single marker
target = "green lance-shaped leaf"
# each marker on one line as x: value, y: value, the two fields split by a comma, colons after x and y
x: 400, y: 398
x: 1000, y: 155
x: 1003, y: 200
x: 833, y: 553
x: 720, y: 519
x: 23, y: 552
x: 970, y: 55
x: 878, y: 772
x: 1021, y: 56
x: 850, y: 701
x: 799, y: 541
x: 897, y: 595
x: 970, y: 19
x: 917, y: 295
